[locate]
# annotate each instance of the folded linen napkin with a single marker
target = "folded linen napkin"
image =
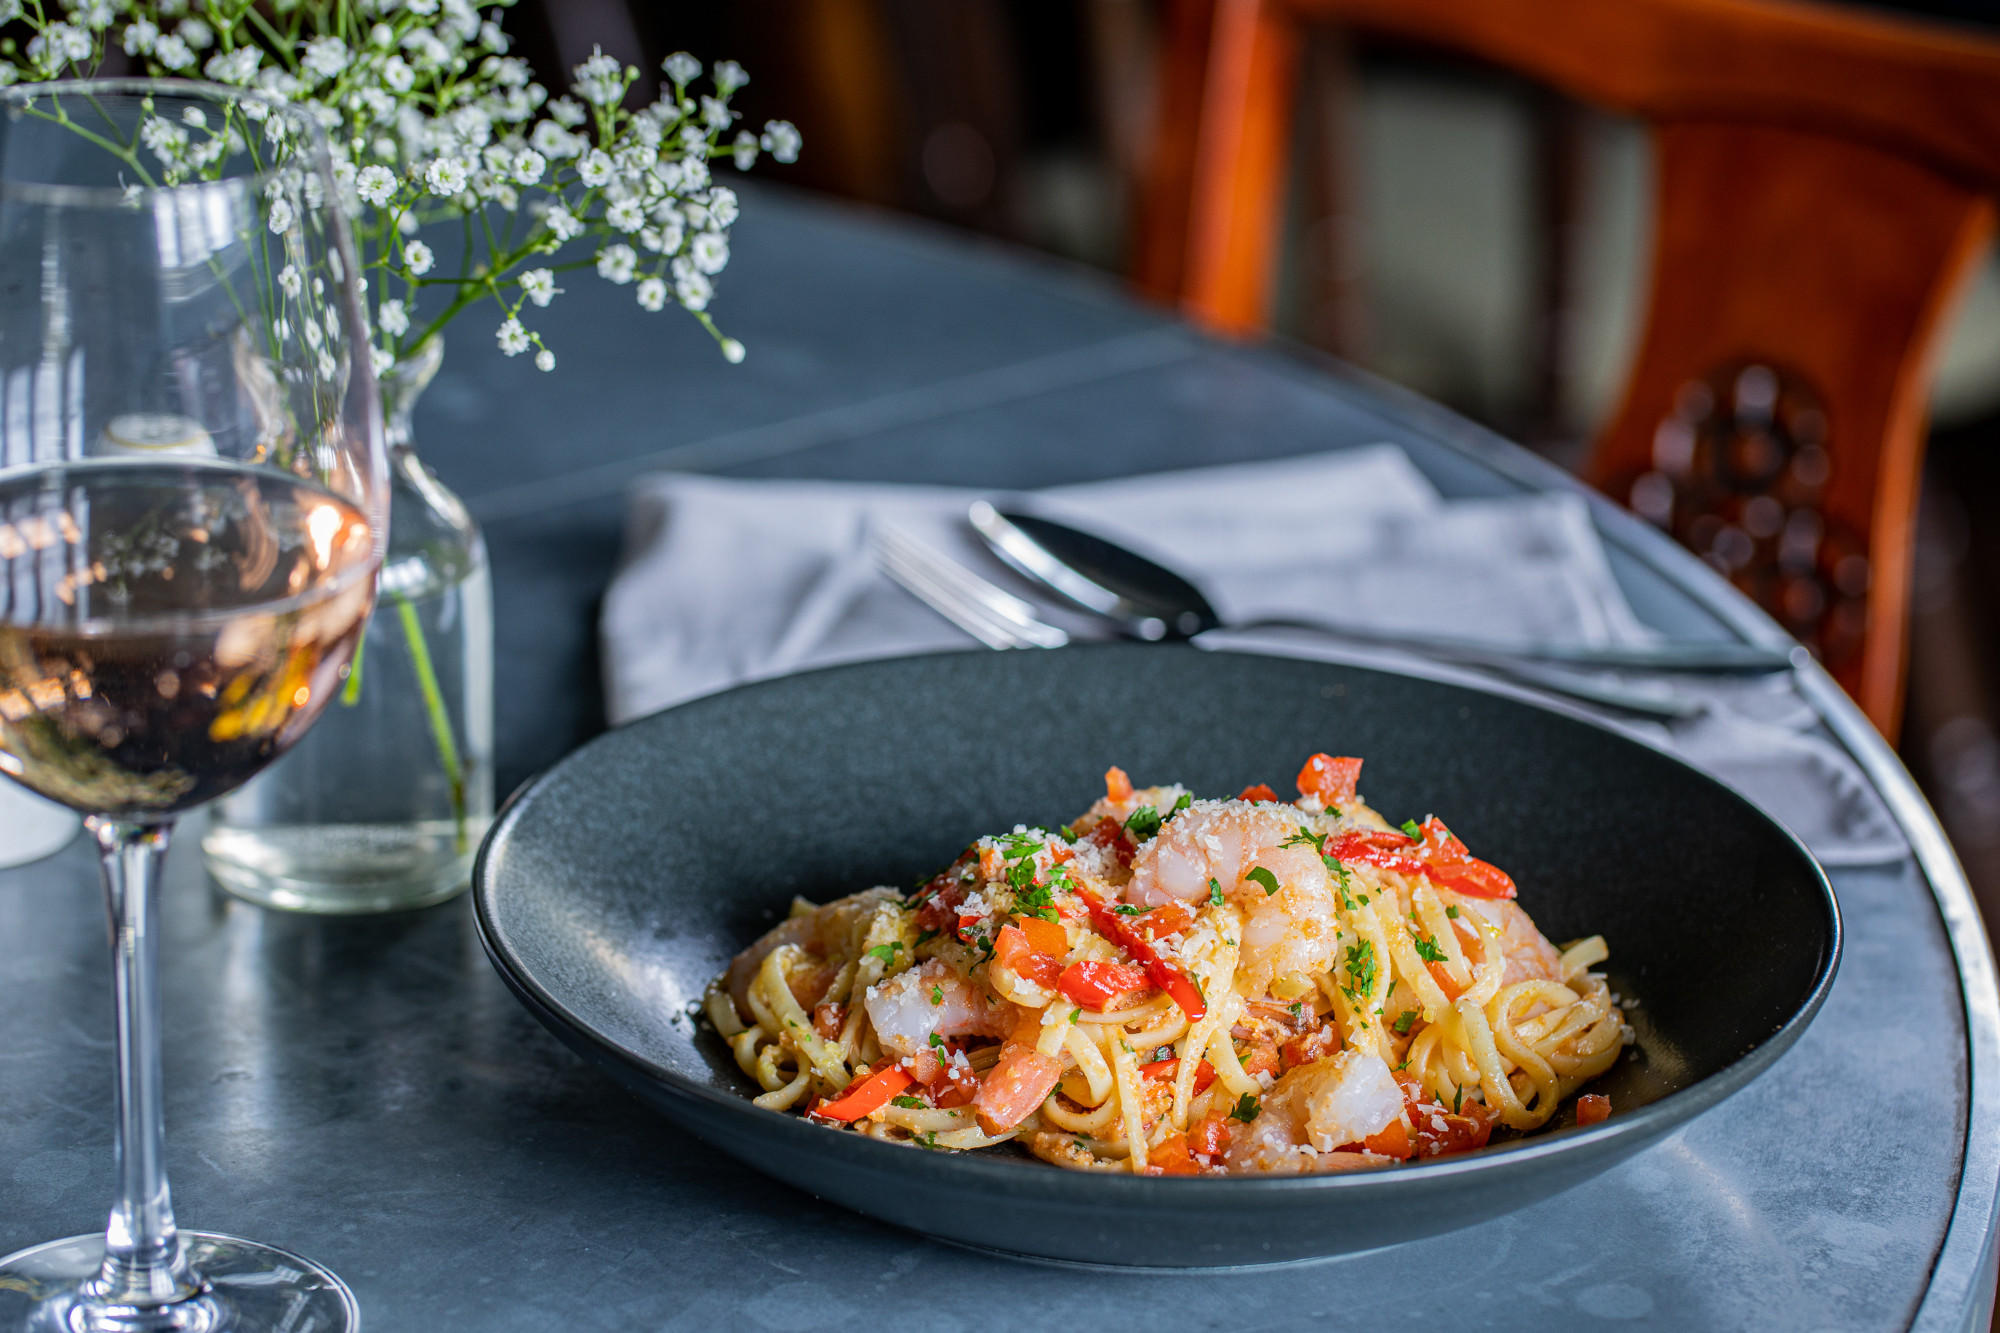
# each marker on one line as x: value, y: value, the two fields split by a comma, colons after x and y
x: 728, y: 581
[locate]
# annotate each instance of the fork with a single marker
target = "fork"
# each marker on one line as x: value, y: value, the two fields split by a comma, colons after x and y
x: 989, y: 613
x: 999, y: 619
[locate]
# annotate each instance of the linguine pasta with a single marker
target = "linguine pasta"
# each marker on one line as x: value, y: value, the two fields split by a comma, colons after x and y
x: 1173, y: 985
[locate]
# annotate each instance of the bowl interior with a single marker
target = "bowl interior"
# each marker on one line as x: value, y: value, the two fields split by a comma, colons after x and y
x: 626, y: 877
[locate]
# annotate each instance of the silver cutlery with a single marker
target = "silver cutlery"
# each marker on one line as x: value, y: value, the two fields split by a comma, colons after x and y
x: 1145, y: 600
x: 999, y: 619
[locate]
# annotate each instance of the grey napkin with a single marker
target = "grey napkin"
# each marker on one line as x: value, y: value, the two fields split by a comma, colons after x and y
x: 728, y: 581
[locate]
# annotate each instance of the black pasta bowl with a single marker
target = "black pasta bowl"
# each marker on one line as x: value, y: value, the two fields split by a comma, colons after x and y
x: 618, y: 883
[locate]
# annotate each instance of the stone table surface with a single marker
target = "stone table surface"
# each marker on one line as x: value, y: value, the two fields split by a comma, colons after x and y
x: 367, y: 1092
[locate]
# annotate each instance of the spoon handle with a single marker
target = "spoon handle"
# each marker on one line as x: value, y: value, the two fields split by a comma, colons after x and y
x: 1693, y: 659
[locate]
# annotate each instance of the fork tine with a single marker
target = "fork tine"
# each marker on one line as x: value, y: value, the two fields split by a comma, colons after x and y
x: 970, y: 617
x: 966, y: 588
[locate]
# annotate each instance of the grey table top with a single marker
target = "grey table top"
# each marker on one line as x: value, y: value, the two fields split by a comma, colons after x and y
x: 367, y: 1093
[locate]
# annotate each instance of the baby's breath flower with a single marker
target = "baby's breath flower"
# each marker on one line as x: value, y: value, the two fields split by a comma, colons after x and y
x: 290, y: 281
x: 539, y: 285
x: 171, y: 51
x: 140, y: 37
x: 59, y: 44
x: 280, y: 218
x: 194, y: 116
x: 562, y: 224
x: 594, y: 168
x: 616, y: 263
x: 692, y: 290
x: 445, y: 177
x: 600, y: 80
x: 781, y: 140
x: 745, y: 150
x: 95, y: 15
x: 513, y: 339
x: 554, y: 142
x: 393, y: 319
x: 710, y: 251
x: 626, y: 215
x: 729, y: 76
x: 417, y: 256
x: 529, y: 166
x: 722, y: 207
x: 732, y: 351
x: 375, y: 184
x: 397, y: 76
x: 196, y: 33
x: 326, y: 57
x: 652, y: 294
x: 716, y: 114
x: 238, y: 67
x: 382, y: 36
x: 545, y: 360
x: 682, y: 68
x: 568, y: 112
x: 494, y: 39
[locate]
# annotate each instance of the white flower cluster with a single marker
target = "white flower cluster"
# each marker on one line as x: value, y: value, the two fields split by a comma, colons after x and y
x: 430, y: 118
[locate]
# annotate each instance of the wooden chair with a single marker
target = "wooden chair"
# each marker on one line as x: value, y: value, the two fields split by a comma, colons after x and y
x: 1825, y: 189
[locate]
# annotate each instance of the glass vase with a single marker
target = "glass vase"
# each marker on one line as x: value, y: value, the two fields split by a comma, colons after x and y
x: 382, y: 805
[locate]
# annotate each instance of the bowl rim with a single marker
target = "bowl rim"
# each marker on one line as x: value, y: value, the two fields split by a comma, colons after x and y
x: 1017, y: 1178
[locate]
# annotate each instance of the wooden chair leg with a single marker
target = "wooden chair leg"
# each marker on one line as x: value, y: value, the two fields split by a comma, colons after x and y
x: 1795, y: 476
x: 1242, y: 158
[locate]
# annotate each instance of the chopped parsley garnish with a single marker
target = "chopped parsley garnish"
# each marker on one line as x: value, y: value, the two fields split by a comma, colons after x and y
x: 925, y: 937
x: 1162, y: 1053
x: 1214, y: 893
x: 1359, y: 963
x: 1259, y: 875
x: 1246, y: 1109
x: 927, y: 1140
x: 907, y: 1103
x: 937, y: 1042
x: 1305, y: 837
x: 1392, y: 989
x: 1074, y: 1014
x: 1183, y: 803
x: 937, y: 995
x: 1126, y: 909
x: 1068, y: 832
x: 1403, y: 1021
x: 886, y: 952
x: 1143, y: 823
x: 1457, y: 1097
x: 1339, y: 869
x: 1298, y: 1007
x: 1412, y: 830
x: 1427, y: 949
x: 1452, y: 911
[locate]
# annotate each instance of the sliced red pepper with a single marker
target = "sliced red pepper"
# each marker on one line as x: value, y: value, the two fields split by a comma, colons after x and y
x: 1209, y: 1137
x: 1117, y: 787
x: 871, y: 1094
x: 1111, y: 835
x: 1012, y: 950
x: 1168, y: 1070
x: 1392, y: 1140
x: 1165, y: 975
x: 1260, y: 792
x: 1446, y: 982
x: 1170, y: 1157
x: 1592, y: 1108
x: 1396, y: 851
x: 1330, y: 778
x: 1096, y: 985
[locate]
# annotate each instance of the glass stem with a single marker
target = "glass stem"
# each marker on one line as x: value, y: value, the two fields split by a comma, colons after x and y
x: 143, y: 1261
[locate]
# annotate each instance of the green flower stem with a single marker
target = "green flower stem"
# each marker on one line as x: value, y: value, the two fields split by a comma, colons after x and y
x: 434, y: 710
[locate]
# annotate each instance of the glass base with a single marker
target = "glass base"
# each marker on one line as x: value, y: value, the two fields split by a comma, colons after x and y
x: 247, y: 1288
x: 342, y: 868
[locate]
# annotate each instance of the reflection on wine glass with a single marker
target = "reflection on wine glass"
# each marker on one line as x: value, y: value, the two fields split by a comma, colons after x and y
x: 192, y: 493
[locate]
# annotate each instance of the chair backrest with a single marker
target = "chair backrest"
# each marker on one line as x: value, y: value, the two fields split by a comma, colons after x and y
x: 1825, y: 191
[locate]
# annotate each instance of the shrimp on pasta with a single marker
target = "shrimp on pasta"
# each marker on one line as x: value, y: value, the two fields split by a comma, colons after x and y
x: 1181, y: 986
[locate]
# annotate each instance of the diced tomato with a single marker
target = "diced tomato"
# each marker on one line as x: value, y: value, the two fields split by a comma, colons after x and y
x: 991, y: 863
x: 1164, y: 974
x: 1044, y: 936
x: 1438, y: 1130
x: 1446, y: 982
x: 869, y: 1095
x: 1018, y: 1084
x: 1260, y: 792
x: 1096, y: 985
x: 1111, y: 835
x: 1209, y: 1137
x: 954, y: 1094
x: 1060, y: 851
x: 1392, y: 1140
x: 1259, y: 1056
x: 1170, y: 1157
x: 1331, y: 779
x: 828, y: 1018
x: 1117, y: 787
x: 1012, y: 950
x: 940, y: 908
x: 1591, y: 1108
x: 1321, y: 1042
x: 1161, y: 922
x: 1168, y: 1070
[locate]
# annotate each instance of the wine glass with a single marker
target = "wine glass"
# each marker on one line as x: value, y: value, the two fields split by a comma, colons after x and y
x: 193, y: 498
